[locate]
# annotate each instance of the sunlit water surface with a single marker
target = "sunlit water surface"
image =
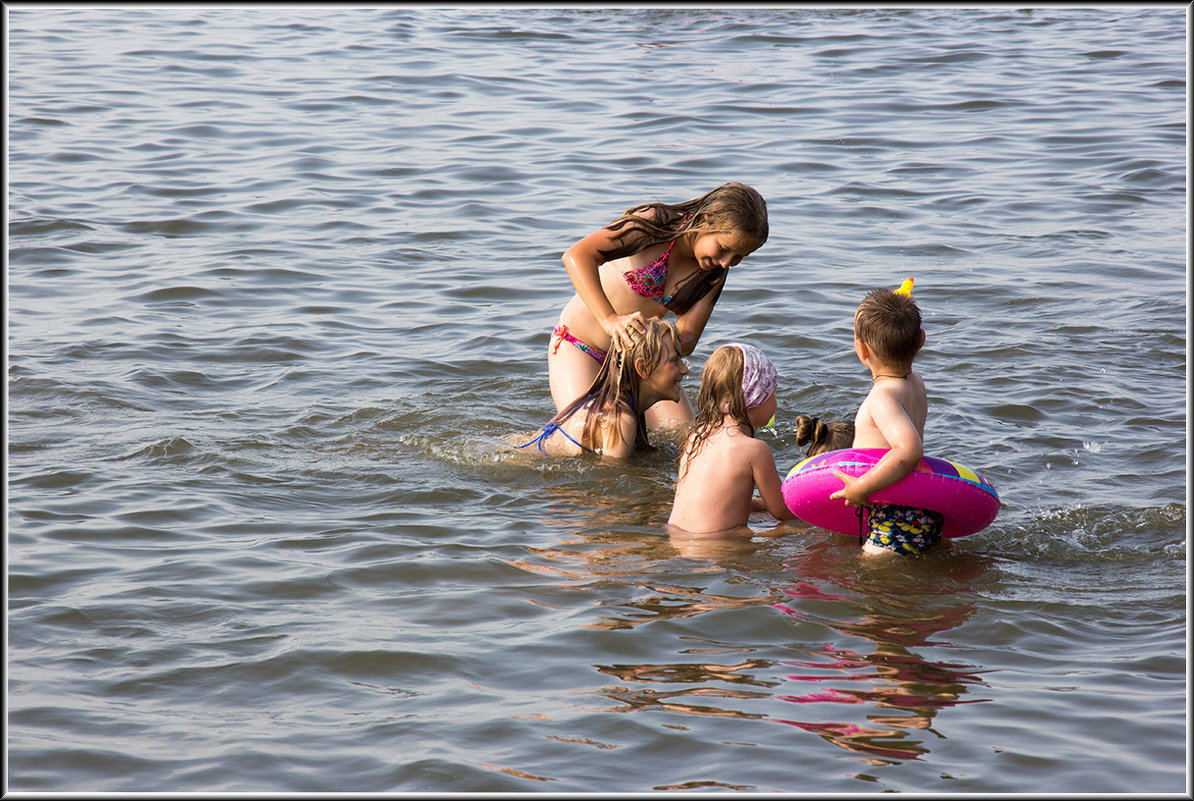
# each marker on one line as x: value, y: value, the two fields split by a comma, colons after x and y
x: 280, y: 286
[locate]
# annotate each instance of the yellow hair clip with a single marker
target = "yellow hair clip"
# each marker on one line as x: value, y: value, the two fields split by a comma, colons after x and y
x: 906, y: 287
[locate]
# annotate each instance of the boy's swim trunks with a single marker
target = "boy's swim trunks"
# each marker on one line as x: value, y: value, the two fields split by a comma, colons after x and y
x: 904, y: 529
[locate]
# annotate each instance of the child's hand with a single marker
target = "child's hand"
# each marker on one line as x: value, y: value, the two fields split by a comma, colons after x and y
x: 624, y: 329
x: 850, y: 492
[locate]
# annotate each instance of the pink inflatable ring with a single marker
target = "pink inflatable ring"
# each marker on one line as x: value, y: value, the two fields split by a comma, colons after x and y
x: 966, y: 499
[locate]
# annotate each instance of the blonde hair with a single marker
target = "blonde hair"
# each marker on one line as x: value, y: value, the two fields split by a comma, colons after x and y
x: 613, y: 391
x: 720, y: 394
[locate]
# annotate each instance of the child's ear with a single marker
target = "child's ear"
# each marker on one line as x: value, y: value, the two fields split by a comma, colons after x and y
x: 922, y: 339
x: 861, y: 349
x: 640, y: 365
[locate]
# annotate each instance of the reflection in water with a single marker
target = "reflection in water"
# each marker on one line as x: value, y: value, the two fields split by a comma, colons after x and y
x: 663, y: 601
x: 638, y: 700
x: 518, y: 774
x: 867, y: 703
x: 712, y: 547
x: 737, y: 544
x: 688, y: 674
x: 890, y: 691
x: 901, y: 690
x: 675, y: 603
x: 627, y: 545
x: 701, y: 785
x: 693, y: 673
x: 895, y: 690
x: 893, y: 679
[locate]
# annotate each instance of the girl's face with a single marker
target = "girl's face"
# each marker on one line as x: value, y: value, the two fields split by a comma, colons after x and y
x: 663, y: 383
x: 762, y: 414
x: 721, y: 250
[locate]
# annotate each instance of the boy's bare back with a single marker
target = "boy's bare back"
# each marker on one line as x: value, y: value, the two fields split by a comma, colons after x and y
x: 896, y: 405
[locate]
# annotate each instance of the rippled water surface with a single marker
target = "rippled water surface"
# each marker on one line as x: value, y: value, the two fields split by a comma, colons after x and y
x: 280, y: 285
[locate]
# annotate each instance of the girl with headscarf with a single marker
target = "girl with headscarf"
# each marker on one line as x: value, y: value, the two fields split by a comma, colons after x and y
x: 722, y: 464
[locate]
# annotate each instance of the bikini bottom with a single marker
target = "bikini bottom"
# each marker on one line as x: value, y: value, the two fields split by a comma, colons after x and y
x: 560, y: 334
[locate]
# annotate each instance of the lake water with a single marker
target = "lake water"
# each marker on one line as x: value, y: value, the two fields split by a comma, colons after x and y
x: 280, y: 285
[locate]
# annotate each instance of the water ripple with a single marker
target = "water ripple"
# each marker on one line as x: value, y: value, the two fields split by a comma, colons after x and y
x: 281, y: 282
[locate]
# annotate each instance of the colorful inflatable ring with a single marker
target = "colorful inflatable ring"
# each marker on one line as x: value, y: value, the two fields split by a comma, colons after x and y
x: 966, y: 499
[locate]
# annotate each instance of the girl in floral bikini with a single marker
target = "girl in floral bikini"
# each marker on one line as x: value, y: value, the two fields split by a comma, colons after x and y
x: 655, y: 258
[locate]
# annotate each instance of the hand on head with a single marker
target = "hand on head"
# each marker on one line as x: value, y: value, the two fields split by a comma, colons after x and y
x: 626, y: 328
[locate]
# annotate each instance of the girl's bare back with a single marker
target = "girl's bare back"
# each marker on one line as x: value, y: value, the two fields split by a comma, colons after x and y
x: 716, y: 487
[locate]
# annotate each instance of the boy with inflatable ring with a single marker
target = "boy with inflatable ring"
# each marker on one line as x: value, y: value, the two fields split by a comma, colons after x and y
x: 887, y: 337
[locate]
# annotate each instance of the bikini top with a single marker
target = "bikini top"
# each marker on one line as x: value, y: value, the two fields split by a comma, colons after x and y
x: 649, y: 280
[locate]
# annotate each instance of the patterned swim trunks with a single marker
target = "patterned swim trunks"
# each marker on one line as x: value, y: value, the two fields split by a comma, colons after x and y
x: 904, y: 529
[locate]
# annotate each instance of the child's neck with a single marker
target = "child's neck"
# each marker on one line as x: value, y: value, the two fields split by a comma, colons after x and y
x: 683, y: 247
x: 728, y: 421
x: 643, y: 400
x: 883, y: 370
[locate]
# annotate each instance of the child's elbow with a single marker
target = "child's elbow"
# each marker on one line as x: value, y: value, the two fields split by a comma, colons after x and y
x: 916, y: 453
x: 570, y: 256
x: 780, y: 511
x: 909, y: 452
x: 581, y: 253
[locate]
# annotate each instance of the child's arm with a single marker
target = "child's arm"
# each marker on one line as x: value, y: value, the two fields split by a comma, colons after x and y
x: 767, y: 480
x: 582, y: 261
x: 618, y: 437
x: 691, y: 324
x: 906, y: 451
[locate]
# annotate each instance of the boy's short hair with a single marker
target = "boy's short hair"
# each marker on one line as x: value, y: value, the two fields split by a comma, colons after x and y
x: 889, y: 324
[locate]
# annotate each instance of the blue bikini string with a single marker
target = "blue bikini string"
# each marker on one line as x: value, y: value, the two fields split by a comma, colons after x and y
x: 547, y: 431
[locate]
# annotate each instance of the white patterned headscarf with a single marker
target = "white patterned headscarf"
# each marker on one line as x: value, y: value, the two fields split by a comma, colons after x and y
x: 758, y: 375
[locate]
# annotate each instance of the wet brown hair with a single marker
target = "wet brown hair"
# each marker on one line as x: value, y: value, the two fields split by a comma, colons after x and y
x: 822, y: 437
x: 889, y: 324
x: 730, y: 208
